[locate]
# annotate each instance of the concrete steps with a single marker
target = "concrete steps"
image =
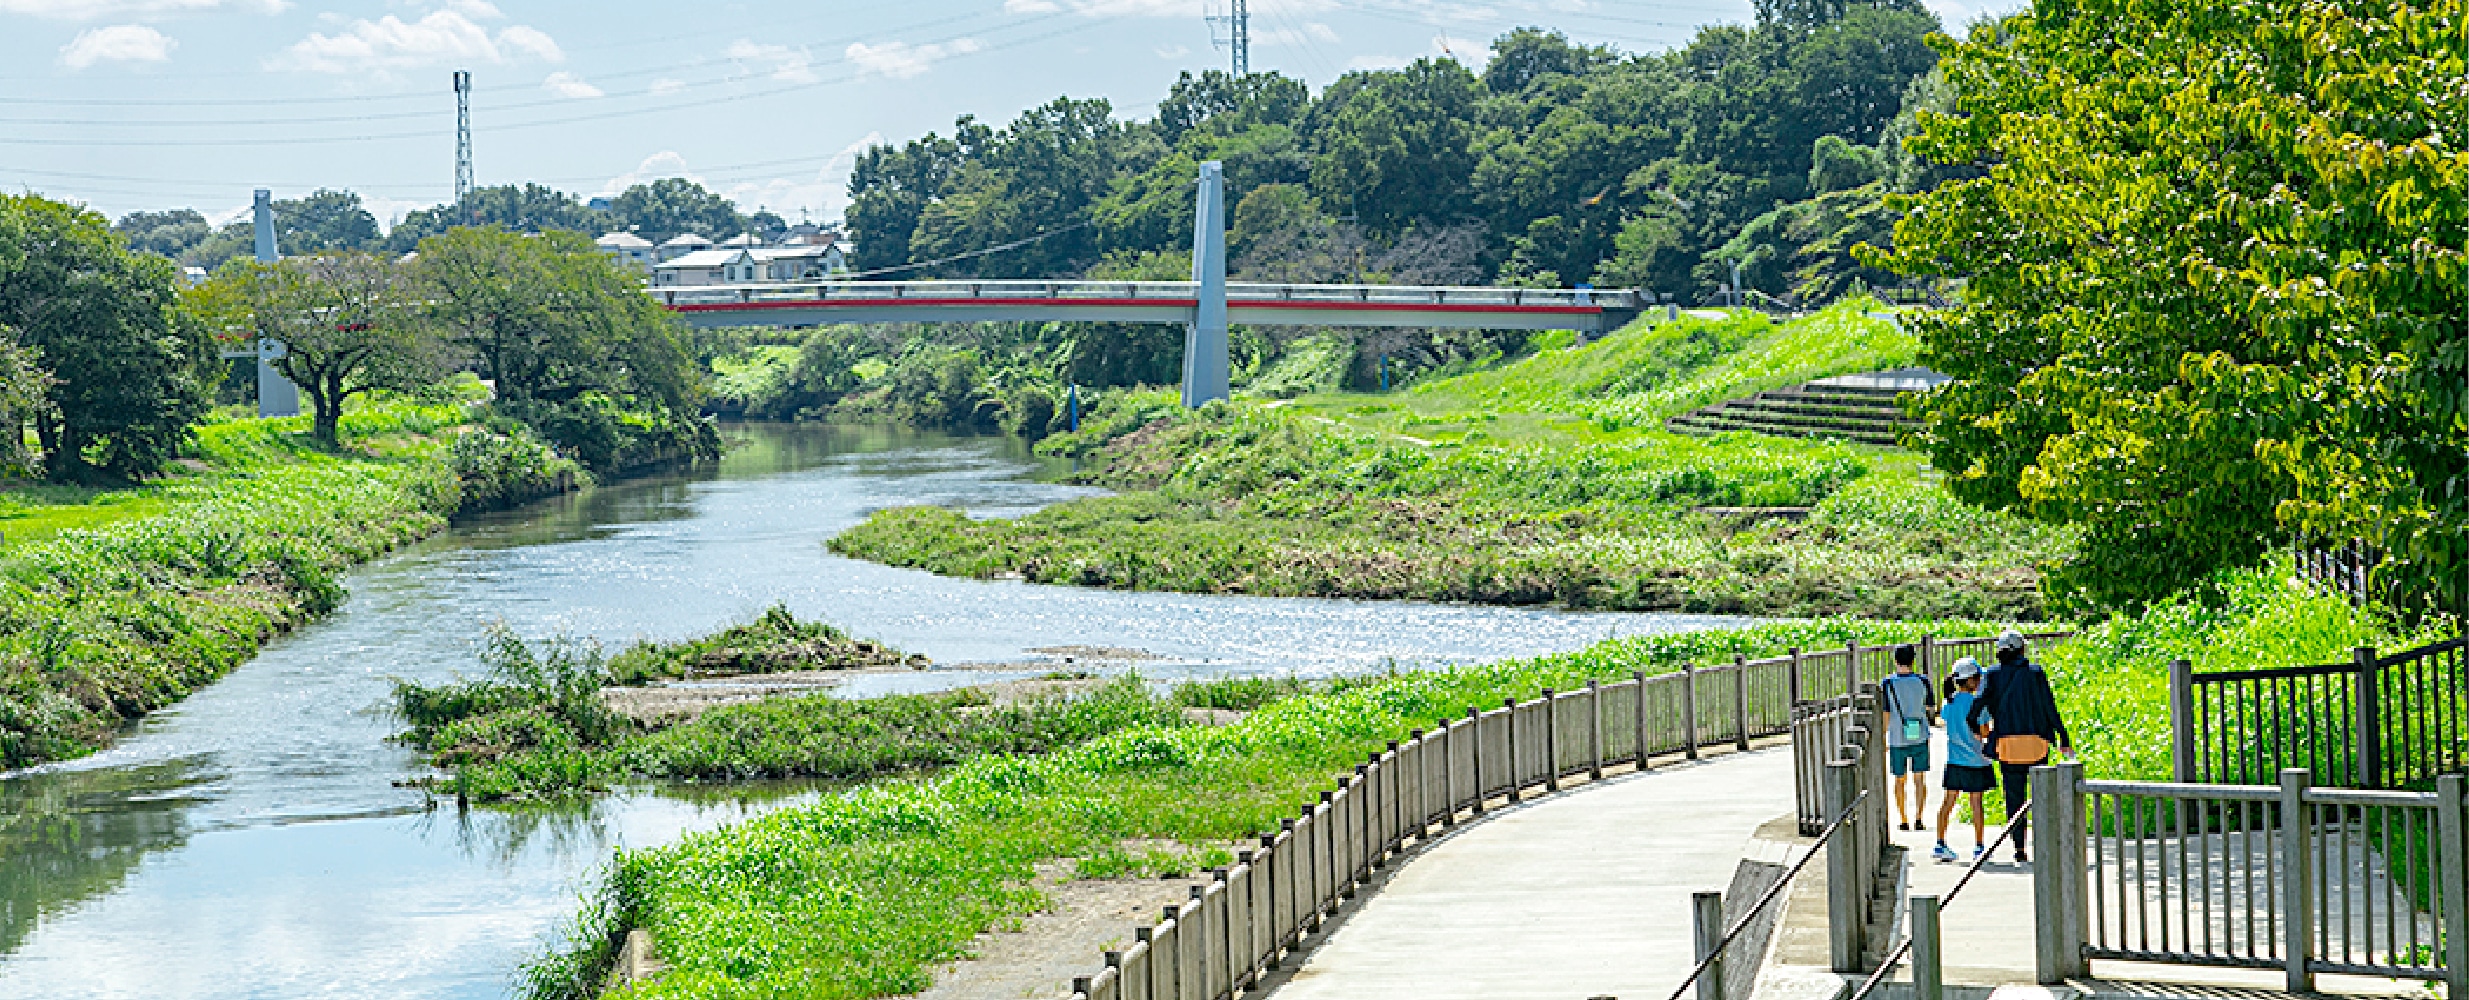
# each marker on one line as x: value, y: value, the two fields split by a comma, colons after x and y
x: 1864, y: 408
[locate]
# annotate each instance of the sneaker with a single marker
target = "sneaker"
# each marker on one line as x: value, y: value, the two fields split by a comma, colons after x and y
x: 1978, y: 850
x: 1944, y: 853
x: 1905, y: 827
x: 2022, y: 858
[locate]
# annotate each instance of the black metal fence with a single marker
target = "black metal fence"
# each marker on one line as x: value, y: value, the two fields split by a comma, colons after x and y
x: 2393, y: 721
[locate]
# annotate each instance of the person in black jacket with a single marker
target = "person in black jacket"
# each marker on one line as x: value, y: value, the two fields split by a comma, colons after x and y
x: 2024, y: 712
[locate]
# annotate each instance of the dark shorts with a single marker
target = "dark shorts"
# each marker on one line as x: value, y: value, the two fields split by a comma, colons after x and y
x: 1913, y: 759
x: 1969, y: 779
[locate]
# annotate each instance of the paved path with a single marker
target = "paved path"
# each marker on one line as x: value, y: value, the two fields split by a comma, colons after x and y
x: 1578, y: 895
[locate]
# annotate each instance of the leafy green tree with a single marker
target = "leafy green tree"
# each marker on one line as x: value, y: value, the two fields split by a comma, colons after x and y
x: 128, y: 377
x: 550, y: 318
x: 673, y: 206
x: 325, y: 220
x: 1525, y: 56
x: 1396, y: 147
x: 525, y: 208
x: 2215, y: 287
x: 24, y: 389
x: 349, y: 323
x: 169, y: 233
x: 1227, y: 103
x: 890, y: 187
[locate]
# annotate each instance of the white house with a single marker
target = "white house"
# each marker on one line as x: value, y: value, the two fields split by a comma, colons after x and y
x: 751, y: 266
x: 629, y: 249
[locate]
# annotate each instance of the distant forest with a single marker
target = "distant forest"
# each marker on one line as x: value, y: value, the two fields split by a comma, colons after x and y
x: 1772, y: 145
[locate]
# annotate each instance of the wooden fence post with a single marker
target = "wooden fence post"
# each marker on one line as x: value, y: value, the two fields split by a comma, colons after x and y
x: 1688, y: 708
x: 1474, y: 720
x: 1645, y: 750
x: 2453, y: 884
x: 2049, y: 902
x: 1447, y: 736
x: 1791, y: 678
x: 1594, y: 729
x: 2370, y: 764
x: 2181, y: 721
x: 1851, y: 668
x: 1551, y: 741
x: 1740, y: 699
x: 1928, y: 963
x: 1706, y: 916
x: 1928, y: 660
x: 1847, y: 902
x: 2297, y: 895
x: 1514, y: 775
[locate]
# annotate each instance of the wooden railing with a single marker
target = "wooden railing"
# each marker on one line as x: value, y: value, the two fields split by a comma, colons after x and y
x: 2376, y: 721
x: 1252, y: 913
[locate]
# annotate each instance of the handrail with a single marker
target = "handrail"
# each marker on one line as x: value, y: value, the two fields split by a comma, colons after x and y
x: 1773, y: 892
x: 1902, y: 951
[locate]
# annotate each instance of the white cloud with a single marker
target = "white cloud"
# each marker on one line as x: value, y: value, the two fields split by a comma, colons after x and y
x: 134, y: 43
x: 565, y: 84
x: 666, y: 163
x: 779, y: 61
x: 87, y: 10
x: 901, y: 60
x: 667, y: 85
x: 441, y: 36
x: 1030, y: 6
x: 1172, y: 51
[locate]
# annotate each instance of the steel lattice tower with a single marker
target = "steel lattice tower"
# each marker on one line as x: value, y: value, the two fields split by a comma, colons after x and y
x: 462, y: 134
x: 1238, y: 22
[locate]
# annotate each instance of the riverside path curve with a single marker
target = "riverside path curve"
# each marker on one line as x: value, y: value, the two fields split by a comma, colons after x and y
x: 1580, y: 894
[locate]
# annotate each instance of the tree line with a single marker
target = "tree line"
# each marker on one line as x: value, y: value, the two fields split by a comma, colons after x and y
x: 111, y: 360
x: 329, y: 219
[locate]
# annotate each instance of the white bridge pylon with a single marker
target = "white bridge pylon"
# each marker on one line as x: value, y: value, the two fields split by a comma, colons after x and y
x: 1206, y: 306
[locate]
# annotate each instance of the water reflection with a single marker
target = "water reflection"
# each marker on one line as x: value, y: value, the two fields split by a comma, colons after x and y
x: 67, y: 837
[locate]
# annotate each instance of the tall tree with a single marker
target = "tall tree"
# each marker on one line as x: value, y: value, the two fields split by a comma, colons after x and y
x: 674, y: 206
x: 349, y: 323
x: 127, y: 378
x: 550, y: 318
x: 2216, y: 291
x: 525, y: 208
x: 1395, y: 147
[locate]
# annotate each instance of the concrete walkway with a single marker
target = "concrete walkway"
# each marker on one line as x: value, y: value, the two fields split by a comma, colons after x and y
x: 1581, y: 894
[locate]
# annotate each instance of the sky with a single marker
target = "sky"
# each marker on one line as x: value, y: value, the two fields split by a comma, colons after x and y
x: 129, y: 105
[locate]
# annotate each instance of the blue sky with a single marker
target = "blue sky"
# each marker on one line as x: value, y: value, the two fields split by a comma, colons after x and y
x: 138, y: 104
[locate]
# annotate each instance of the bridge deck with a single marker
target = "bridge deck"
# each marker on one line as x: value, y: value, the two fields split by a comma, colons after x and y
x: 813, y: 303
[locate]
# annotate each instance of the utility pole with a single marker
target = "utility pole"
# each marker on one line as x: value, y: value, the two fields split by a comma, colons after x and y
x: 462, y: 134
x: 1238, y: 22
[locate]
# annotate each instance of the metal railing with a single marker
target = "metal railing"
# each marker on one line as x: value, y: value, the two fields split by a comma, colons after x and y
x: 2289, y: 876
x: 1708, y: 975
x: 1924, y: 945
x: 1163, y: 291
x: 2373, y: 722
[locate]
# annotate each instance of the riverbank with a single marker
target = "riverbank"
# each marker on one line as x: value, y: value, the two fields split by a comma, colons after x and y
x: 123, y: 602
x: 864, y: 892
x: 1546, y: 480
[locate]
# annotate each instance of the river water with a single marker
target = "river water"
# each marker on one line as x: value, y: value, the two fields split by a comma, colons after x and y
x: 251, y: 842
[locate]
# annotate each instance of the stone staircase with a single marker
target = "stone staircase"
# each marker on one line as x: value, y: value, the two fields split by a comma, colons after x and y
x: 1859, y: 408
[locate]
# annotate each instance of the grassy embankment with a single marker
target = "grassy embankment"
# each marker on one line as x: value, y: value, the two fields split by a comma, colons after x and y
x: 1547, y: 479
x: 115, y: 603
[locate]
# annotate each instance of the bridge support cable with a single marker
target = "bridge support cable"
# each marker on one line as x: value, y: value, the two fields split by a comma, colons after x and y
x: 1206, y: 361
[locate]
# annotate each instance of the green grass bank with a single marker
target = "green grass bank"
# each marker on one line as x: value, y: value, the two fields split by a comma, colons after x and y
x: 116, y: 603
x: 1547, y: 479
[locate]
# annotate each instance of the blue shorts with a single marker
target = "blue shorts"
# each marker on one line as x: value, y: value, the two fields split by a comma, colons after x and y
x: 1913, y: 759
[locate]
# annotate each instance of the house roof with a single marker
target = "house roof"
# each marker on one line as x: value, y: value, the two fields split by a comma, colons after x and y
x: 623, y: 241
x: 743, y: 240
x: 687, y: 240
x: 764, y: 255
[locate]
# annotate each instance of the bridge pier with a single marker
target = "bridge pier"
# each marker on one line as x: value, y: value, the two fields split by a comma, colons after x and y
x: 1206, y: 361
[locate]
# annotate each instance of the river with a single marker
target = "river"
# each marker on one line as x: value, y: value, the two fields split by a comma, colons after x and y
x: 251, y: 841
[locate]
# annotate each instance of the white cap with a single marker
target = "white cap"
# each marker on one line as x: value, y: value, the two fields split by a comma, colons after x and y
x: 1967, y: 667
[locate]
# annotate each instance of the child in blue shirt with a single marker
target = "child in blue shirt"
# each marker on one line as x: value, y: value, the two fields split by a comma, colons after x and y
x: 1968, y: 770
